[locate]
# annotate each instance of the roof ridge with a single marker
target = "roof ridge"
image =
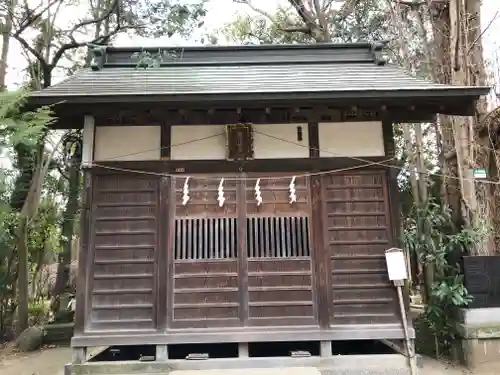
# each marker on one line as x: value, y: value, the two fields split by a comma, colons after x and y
x: 106, y: 56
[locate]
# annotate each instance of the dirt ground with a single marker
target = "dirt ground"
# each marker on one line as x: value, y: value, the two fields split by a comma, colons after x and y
x: 51, y: 361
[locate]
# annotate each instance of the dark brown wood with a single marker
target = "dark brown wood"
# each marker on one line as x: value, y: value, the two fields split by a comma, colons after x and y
x: 163, y: 234
x: 84, y: 258
x: 316, y: 262
x: 388, y: 135
x: 280, y: 281
x: 121, y: 114
x: 321, y: 259
x: 170, y: 253
x: 122, y: 288
x: 165, y: 142
x: 205, y: 289
x: 359, y: 231
x: 220, y: 167
x: 313, y: 131
x: 253, y: 334
x: 221, y: 111
x: 242, y: 253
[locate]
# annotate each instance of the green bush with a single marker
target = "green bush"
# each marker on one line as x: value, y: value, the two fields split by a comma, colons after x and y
x: 37, y: 313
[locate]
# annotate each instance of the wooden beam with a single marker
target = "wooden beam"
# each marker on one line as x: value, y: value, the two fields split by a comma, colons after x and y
x: 165, y: 141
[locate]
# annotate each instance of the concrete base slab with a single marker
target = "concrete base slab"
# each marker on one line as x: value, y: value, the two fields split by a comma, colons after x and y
x: 380, y: 364
x: 479, y: 342
x: 255, y: 371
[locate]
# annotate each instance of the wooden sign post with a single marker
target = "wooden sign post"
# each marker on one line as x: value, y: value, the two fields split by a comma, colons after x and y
x: 398, y: 273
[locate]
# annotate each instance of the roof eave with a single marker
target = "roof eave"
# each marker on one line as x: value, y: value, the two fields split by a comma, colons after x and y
x: 466, y: 93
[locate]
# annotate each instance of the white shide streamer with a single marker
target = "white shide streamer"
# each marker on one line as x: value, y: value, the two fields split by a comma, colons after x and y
x: 258, y: 195
x: 185, y: 192
x: 293, y: 196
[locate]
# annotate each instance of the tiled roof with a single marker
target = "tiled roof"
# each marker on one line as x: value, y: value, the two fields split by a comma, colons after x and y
x: 322, y: 68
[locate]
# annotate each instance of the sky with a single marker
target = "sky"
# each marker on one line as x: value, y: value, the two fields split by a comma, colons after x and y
x: 222, y: 11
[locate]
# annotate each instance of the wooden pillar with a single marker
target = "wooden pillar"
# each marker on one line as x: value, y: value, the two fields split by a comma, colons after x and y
x: 242, y: 250
x: 84, y: 256
x: 162, y: 249
x: 320, y: 255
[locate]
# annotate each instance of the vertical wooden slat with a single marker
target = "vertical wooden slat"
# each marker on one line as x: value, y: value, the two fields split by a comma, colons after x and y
x: 184, y: 238
x: 194, y: 239
x: 178, y: 237
x: 307, y: 251
x: 270, y: 235
x: 250, y: 240
x: 163, y: 233
x: 206, y: 242
x: 294, y: 235
x: 190, y: 236
x: 258, y: 250
x: 300, y: 237
x: 288, y: 230
x: 227, y: 242
x: 215, y: 249
x: 264, y: 231
x: 281, y: 228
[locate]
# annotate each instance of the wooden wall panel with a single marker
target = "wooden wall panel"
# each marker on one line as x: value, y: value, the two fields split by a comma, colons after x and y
x: 205, y: 249
x: 124, y: 228
x: 357, y: 227
x: 205, y: 294
x: 279, y: 251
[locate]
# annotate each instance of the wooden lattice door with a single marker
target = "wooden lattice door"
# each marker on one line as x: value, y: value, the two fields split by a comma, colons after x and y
x: 279, y: 252
x: 204, y: 278
x: 242, y: 262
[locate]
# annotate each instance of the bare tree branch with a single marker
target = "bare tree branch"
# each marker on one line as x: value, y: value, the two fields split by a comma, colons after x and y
x: 321, y: 15
x: 308, y: 18
x: 493, y: 19
x: 32, y: 16
x: 32, y: 50
x: 256, y: 9
x: 270, y: 17
x: 113, y: 6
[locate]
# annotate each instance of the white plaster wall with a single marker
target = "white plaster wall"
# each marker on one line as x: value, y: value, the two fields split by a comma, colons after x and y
x: 338, y: 139
x: 268, y: 142
x: 279, y: 141
x: 186, y: 143
x: 120, y: 143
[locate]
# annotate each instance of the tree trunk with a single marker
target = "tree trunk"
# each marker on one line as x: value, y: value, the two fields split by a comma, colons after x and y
x: 23, y: 278
x: 68, y: 225
x: 468, y: 69
x: 4, y: 54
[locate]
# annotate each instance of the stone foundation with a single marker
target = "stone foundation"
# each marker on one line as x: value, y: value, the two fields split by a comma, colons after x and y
x: 479, y: 342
